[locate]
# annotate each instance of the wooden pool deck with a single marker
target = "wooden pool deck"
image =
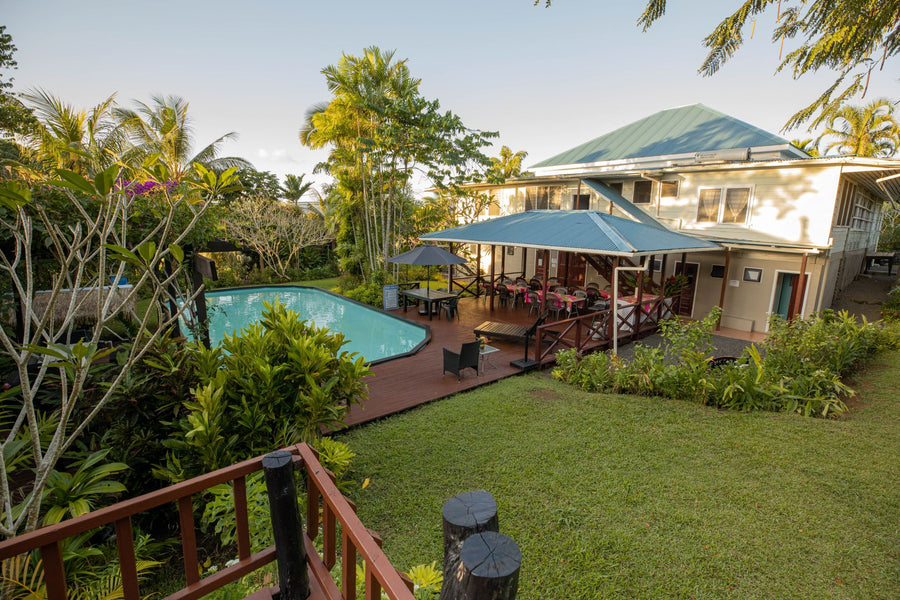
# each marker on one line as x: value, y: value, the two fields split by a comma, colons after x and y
x: 404, y: 383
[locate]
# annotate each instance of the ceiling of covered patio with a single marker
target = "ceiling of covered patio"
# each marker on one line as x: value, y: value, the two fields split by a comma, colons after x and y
x: 583, y: 231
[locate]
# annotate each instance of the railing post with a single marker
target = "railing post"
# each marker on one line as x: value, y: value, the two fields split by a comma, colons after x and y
x: 287, y: 526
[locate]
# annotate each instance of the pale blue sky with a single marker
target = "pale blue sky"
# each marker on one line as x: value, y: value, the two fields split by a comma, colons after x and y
x: 546, y: 79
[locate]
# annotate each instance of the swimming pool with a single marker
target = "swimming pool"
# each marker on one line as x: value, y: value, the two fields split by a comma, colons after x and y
x: 374, y: 334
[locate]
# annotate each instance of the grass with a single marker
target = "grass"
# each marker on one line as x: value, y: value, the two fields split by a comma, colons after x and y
x: 626, y: 497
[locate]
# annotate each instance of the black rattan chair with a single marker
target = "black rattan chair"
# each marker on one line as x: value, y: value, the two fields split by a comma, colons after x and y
x: 466, y: 359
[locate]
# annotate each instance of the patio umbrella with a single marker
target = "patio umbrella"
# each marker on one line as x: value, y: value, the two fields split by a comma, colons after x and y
x: 427, y: 254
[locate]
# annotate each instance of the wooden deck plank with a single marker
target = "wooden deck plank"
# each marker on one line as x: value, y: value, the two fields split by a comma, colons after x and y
x: 404, y: 383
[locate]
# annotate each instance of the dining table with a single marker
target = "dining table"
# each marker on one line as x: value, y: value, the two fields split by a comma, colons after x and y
x: 429, y: 297
x: 570, y: 300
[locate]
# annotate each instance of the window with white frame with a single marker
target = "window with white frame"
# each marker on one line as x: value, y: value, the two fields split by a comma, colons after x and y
x: 724, y: 205
x: 668, y: 189
x: 643, y: 192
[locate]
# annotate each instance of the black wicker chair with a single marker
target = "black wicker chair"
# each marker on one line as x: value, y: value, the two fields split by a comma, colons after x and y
x: 466, y: 359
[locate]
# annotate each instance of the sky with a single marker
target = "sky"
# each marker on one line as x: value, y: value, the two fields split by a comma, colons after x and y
x: 547, y: 79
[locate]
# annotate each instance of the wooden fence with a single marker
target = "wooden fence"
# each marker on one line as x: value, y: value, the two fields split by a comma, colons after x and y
x: 321, y: 491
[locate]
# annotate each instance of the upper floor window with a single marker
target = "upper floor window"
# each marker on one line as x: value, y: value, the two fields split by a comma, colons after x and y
x: 724, y: 205
x: 581, y: 201
x: 642, y: 190
x: 668, y: 189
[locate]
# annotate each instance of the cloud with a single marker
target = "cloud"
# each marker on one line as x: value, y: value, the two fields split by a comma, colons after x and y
x: 278, y: 155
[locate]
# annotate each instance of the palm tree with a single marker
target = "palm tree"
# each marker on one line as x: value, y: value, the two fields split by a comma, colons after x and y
x: 869, y: 130
x: 164, y: 128
x: 63, y: 137
x: 808, y: 145
x: 294, y: 187
x: 508, y: 165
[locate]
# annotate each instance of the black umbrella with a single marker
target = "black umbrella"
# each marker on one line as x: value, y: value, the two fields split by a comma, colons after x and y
x: 427, y: 255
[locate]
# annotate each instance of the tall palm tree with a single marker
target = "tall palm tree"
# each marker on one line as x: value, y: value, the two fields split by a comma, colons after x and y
x: 869, y: 130
x: 808, y: 145
x: 294, y: 187
x: 508, y: 164
x: 164, y: 128
x: 64, y: 137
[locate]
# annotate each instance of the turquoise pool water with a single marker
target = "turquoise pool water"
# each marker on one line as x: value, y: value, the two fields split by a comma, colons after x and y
x: 372, y: 333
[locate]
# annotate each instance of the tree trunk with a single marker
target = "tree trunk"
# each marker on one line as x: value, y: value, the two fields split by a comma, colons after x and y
x: 464, y: 515
x: 489, y: 567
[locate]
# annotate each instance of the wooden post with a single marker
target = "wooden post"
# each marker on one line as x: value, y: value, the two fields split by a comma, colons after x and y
x: 797, y: 307
x: 464, y: 515
x: 639, y: 313
x: 450, y: 273
x: 613, y: 302
x: 478, y: 269
x: 493, y: 253
x: 546, y: 285
x: 200, y: 302
x: 287, y: 526
x: 722, y: 290
x: 489, y: 566
x: 502, y: 261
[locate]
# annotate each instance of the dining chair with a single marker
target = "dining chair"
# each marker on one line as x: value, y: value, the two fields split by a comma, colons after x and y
x: 555, y: 304
x: 534, y: 302
x: 451, y: 308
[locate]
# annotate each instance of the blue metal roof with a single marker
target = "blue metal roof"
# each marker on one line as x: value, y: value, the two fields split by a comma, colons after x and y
x: 585, y: 231
x: 681, y: 130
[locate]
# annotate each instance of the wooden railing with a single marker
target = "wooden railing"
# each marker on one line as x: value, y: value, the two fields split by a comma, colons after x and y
x: 593, y: 331
x: 466, y: 285
x: 584, y: 333
x: 356, y: 539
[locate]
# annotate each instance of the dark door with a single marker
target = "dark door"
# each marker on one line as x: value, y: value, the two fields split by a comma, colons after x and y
x: 686, y: 306
x: 786, y: 290
x: 573, y: 268
x: 539, y: 264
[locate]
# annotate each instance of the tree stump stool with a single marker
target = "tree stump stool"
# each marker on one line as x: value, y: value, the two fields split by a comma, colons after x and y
x: 464, y: 515
x: 490, y: 565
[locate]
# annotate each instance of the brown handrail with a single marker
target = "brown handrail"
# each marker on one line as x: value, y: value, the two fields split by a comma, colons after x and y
x: 380, y: 574
x: 383, y: 575
x: 578, y: 332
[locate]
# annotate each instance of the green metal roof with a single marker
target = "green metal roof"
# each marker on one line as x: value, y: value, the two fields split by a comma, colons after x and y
x: 585, y: 231
x: 681, y: 130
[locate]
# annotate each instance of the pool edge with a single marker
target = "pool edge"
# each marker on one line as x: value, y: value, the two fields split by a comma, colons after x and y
x: 379, y: 361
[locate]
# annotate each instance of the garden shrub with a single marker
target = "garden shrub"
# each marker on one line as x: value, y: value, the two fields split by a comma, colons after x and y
x: 799, y: 369
x: 890, y: 310
x: 274, y: 383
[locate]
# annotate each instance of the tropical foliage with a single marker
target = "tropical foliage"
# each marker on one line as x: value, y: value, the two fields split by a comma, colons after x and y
x: 278, y: 232
x: 381, y: 133
x: 274, y: 383
x: 66, y: 232
x: 855, y: 39
x: 869, y: 130
x: 799, y: 368
x: 163, y: 128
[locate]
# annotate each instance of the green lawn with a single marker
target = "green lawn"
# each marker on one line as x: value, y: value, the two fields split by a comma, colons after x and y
x: 628, y: 497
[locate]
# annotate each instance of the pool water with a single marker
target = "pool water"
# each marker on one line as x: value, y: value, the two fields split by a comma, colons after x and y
x: 373, y: 334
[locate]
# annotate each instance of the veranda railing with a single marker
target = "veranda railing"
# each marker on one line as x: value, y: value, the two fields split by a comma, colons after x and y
x: 322, y: 493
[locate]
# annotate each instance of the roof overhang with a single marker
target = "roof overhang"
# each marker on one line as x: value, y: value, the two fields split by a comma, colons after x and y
x: 582, y: 231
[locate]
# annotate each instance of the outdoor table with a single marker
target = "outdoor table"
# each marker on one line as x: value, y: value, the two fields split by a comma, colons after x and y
x: 427, y: 296
x: 484, y: 353
x: 646, y: 301
x: 519, y: 290
x: 567, y: 298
